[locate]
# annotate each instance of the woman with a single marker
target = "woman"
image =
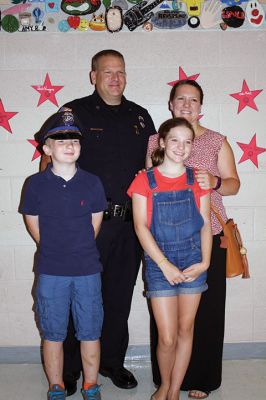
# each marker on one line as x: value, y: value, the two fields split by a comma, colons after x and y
x: 213, y: 157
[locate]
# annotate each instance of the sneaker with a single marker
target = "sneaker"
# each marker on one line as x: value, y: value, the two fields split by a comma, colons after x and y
x: 93, y: 393
x: 56, y: 393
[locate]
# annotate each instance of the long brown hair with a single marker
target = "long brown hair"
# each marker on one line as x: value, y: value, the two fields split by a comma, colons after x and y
x: 157, y: 156
x: 186, y: 82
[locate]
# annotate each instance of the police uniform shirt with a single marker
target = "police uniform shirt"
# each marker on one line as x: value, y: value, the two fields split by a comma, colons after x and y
x: 67, y: 245
x: 114, y: 143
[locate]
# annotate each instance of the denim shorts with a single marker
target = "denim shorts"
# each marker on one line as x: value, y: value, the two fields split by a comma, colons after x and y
x: 55, y: 295
x: 157, y: 284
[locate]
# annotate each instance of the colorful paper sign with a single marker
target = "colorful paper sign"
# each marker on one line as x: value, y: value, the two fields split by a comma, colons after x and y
x: 36, y: 153
x: 5, y: 116
x: 246, y: 97
x: 251, y: 151
x: 47, y: 91
x: 183, y: 75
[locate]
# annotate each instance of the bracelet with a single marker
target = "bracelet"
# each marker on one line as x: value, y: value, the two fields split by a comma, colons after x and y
x: 162, y: 260
x: 219, y: 183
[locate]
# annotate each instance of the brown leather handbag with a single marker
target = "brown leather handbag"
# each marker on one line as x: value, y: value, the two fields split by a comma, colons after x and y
x: 236, y: 253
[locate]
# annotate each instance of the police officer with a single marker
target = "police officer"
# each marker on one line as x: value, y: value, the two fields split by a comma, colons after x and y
x: 115, y: 138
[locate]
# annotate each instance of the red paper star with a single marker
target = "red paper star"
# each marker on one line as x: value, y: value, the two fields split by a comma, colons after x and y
x: 36, y: 154
x: 183, y: 75
x: 251, y: 151
x: 47, y: 91
x: 246, y: 97
x: 5, y: 116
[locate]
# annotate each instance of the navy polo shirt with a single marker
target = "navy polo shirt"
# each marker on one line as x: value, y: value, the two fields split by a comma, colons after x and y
x: 114, y: 142
x: 67, y: 245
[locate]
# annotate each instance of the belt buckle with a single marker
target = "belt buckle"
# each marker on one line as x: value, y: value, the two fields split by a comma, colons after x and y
x: 118, y: 210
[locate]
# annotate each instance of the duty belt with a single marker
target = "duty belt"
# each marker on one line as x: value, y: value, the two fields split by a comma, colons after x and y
x: 123, y: 211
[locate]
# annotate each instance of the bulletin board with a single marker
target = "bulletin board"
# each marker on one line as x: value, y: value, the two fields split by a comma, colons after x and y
x: 118, y: 16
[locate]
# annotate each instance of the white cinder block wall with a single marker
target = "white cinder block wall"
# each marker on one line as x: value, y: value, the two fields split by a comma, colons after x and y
x: 223, y: 60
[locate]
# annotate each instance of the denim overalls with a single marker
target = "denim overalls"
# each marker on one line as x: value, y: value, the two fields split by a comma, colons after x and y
x: 175, y: 225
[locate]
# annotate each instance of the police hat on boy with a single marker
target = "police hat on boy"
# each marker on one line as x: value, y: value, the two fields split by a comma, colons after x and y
x: 62, y: 125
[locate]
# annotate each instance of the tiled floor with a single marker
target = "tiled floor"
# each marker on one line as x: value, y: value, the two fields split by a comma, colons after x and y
x: 242, y: 380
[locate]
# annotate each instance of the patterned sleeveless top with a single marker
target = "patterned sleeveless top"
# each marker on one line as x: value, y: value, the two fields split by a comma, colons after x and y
x: 204, y: 155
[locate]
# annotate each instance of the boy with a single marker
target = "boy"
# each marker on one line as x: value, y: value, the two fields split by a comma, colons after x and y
x: 63, y: 208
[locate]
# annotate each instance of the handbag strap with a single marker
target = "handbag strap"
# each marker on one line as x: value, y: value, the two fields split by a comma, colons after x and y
x: 218, y: 216
x: 243, y: 250
x: 245, y: 274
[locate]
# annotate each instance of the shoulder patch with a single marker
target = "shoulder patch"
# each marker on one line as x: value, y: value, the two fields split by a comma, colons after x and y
x: 65, y: 109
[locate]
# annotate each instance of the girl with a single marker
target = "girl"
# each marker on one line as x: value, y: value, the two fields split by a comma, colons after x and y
x: 172, y: 221
x: 214, y: 160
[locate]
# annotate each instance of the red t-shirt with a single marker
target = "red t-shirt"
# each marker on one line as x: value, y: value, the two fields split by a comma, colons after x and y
x: 140, y: 185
